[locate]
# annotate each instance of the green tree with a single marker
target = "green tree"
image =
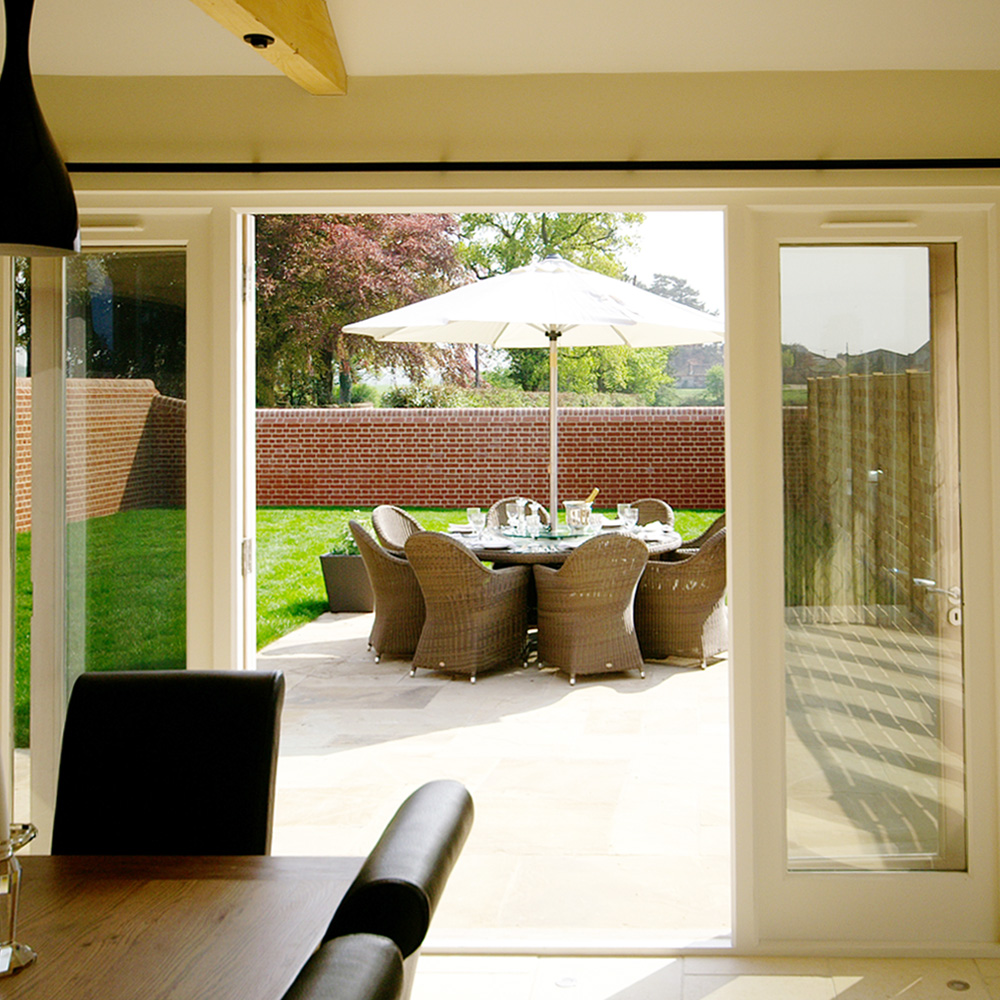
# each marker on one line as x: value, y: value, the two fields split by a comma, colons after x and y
x: 715, y: 385
x: 22, y: 306
x: 492, y: 243
x: 498, y: 242
x: 318, y: 273
x: 677, y: 289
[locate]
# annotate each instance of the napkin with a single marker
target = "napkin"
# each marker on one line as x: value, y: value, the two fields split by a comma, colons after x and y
x: 492, y: 543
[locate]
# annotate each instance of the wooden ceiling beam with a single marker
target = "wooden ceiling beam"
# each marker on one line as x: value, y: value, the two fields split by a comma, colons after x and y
x: 305, y: 47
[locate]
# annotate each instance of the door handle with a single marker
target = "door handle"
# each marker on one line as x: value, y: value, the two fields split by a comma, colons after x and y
x: 954, y: 594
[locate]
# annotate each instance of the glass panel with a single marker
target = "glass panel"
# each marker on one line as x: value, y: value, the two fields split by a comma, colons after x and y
x: 125, y: 460
x: 873, y: 633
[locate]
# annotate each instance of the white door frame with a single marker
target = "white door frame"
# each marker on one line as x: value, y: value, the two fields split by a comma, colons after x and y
x: 780, y: 910
x: 186, y: 229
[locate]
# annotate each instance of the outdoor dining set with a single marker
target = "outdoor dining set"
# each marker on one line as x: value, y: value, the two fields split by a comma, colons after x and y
x: 597, y: 594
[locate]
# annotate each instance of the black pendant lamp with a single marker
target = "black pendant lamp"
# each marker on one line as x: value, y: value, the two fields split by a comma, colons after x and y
x: 38, y: 215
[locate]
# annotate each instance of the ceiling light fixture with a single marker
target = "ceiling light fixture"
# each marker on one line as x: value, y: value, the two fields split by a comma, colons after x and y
x: 38, y: 215
x: 258, y: 41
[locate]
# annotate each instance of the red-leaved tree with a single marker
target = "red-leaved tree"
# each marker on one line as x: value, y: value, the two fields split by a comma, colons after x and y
x: 318, y: 273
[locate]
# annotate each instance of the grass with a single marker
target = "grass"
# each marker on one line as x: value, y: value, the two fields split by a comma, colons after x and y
x: 126, y: 602
x: 131, y: 613
x: 290, y: 540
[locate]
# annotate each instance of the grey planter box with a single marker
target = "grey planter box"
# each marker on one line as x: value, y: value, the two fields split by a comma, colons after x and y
x: 347, y: 585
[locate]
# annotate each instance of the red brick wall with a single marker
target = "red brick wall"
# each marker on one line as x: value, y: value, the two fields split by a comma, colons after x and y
x: 125, y: 448
x: 452, y: 458
x: 127, y: 451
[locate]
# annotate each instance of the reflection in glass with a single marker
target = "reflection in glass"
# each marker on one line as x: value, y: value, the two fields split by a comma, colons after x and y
x: 125, y: 461
x: 873, y: 637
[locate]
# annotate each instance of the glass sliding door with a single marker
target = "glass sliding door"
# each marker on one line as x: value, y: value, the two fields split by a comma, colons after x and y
x: 873, y: 620
x: 125, y: 460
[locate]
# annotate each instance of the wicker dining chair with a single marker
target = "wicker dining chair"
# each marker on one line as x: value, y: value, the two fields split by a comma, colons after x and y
x: 496, y: 516
x: 680, y: 607
x: 689, y: 548
x: 393, y: 526
x: 651, y: 509
x: 399, y: 603
x: 585, y: 621
x: 477, y: 618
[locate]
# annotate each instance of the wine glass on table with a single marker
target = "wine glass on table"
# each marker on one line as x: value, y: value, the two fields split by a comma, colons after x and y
x: 631, y: 519
x: 512, y: 518
x: 477, y: 519
x: 622, y: 507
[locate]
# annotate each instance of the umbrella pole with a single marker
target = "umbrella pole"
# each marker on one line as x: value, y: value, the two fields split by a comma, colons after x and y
x: 553, y: 336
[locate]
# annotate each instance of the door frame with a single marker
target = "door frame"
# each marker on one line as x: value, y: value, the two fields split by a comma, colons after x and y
x: 49, y: 685
x: 779, y: 910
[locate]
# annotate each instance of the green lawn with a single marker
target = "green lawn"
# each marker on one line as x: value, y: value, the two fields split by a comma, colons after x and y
x: 132, y: 612
x: 126, y: 602
x: 290, y: 540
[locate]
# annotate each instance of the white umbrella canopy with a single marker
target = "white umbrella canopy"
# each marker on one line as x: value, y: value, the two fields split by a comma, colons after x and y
x: 554, y: 301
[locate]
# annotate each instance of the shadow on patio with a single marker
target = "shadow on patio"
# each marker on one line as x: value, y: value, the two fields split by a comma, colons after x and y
x: 602, y: 811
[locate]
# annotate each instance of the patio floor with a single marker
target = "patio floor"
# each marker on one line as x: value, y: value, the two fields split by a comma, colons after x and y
x: 602, y: 810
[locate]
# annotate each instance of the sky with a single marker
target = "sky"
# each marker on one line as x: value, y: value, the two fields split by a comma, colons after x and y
x: 688, y: 245
x: 833, y: 298
x: 855, y: 299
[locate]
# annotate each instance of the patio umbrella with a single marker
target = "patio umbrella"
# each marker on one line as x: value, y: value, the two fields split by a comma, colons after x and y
x: 554, y: 301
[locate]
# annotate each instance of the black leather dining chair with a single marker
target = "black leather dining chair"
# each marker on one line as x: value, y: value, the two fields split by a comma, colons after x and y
x: 169, y: 762
x: 353, y: 967
x: 400, y: 884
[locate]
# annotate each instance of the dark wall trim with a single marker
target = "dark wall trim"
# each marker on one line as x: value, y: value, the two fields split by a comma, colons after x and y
x: 569, y: 166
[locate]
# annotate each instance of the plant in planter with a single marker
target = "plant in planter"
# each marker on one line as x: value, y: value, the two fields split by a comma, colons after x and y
x: 347, y: 585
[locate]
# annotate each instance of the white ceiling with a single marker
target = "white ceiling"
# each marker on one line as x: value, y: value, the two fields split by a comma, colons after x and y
x: 393, y: 37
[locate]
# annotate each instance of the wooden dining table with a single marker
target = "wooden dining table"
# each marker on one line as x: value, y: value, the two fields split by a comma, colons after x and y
x: 172, y: 928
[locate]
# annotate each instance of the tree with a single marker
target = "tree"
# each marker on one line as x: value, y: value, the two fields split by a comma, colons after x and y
x: 125, y: 315
x: 492, y: 243
x: 715, y: 385
x: 318, y: 273
x: 495, y: 243
x: 22, y: 306
x: 672, y: 287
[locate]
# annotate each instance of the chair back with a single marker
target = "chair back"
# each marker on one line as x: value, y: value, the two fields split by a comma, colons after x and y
x: 650, y: 509
x: 401, y: 882
x: 680, y: 607
x: 169, y: 762
x: 716, y: 526
x: 352, y: 967
x: 444, y: 566
x: 496, y: 516
x: 606, y: 562
x: 393, y: 526
x: 374, y: 555
x: 399, y: 603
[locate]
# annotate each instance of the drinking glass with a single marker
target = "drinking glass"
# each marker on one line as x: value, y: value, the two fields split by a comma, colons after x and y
x: 477, y: 519
x: 512, y: 518
x: 534, y: 525
x: 622, y: 507
x: 631, y: 518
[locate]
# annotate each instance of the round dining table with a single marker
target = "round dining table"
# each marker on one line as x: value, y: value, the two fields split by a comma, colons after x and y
x: 511, y: 549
